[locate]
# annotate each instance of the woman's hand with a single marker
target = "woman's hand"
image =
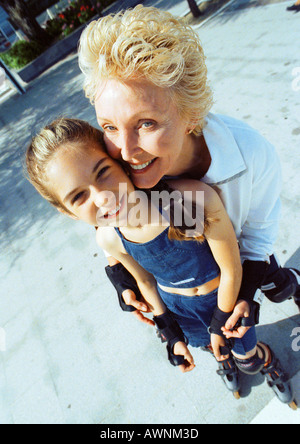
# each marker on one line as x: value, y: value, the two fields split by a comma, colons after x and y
x: 241, y: 310
x: 180, y: 348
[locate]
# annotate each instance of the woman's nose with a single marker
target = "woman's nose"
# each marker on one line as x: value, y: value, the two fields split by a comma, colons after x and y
x: 129, y: 146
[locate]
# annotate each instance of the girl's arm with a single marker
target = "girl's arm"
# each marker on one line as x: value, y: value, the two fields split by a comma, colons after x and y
x: 224, y: 247
x: 110, y: 242
x: 221, y: 239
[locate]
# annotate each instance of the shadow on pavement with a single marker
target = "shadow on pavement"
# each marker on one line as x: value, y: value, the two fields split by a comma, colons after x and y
x: 278, y: 336
x: 236, y: 9
x: 294, y: 260
x: 58, y: 92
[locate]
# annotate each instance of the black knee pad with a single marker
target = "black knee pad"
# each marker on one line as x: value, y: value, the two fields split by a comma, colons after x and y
x: 251, y: 366
x: 283, y: 284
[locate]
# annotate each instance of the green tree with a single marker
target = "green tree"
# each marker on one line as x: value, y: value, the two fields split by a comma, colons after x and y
x: 22, y: 17
x: 194, y: 8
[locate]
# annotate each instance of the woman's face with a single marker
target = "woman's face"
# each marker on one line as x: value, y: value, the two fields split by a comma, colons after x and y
x: 143, y: 127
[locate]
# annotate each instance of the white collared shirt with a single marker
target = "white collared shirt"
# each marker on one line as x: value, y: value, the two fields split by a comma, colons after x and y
x: 245, y: 170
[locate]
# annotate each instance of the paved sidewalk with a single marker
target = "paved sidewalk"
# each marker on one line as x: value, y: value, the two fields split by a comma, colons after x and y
x: 72, y: 357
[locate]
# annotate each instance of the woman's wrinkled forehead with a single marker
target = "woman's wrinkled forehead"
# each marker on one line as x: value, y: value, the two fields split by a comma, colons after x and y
x: 138, y: 85
x: 120, y: 98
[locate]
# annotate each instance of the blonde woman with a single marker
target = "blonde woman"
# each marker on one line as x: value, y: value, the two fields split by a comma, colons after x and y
x: 145, y: 72
x: 189, y: 278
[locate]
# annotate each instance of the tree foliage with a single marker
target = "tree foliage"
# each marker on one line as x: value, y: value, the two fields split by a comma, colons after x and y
x: 194, y: 8
x: 22, y: 17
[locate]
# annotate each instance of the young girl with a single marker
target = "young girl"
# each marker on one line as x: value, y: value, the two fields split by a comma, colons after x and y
x: 190, y: 284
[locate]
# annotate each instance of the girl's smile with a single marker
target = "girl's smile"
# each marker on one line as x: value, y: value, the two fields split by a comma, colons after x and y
x: 115, y: 214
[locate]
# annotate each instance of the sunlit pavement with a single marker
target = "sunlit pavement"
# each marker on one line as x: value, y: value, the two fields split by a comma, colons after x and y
x: 68, y: 354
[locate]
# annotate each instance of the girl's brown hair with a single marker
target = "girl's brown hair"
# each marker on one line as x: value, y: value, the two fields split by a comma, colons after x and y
x: 46, y: 144
x: 179, y: 232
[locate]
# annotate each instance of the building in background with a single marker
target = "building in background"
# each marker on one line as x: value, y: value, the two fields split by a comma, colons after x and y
x: 7, y: 32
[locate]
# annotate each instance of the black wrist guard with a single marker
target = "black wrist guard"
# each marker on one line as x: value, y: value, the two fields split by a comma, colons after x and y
x: 172, y: 333
x: 253, y: 318
x: 122, y: 280
x: 253, y: 277
x: 218, y: 321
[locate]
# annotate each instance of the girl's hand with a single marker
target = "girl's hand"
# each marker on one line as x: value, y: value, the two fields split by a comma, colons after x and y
x: 130, y: 299
x: 180, y: 348
x: 217, y: 342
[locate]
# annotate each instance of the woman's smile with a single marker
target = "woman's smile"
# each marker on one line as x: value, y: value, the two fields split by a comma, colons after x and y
x: 142, y: 126
x: 140, y: 168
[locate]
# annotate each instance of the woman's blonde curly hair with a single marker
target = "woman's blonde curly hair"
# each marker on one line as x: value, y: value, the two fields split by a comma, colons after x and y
x: 152, y: 44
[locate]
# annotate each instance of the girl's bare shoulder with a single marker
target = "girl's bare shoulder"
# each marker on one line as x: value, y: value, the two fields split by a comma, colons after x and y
x: 183, y: 185
x: 108, y: 239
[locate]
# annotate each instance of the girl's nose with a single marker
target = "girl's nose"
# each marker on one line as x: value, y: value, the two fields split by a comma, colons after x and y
x: 104, y: 198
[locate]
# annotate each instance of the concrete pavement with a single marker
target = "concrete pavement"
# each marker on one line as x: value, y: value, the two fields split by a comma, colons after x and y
x: 68, y: 354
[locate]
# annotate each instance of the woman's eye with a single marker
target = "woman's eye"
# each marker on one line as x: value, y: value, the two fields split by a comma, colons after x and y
x: 147, y: 124
x: 109, y: 128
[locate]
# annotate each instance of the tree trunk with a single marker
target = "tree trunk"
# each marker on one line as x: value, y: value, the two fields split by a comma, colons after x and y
x: 21, y: 16
x: 194, y: 8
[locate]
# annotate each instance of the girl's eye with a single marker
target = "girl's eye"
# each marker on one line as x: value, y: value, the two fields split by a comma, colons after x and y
x: 77, y: 198
x: 102, y: 171
x: 80, y: 197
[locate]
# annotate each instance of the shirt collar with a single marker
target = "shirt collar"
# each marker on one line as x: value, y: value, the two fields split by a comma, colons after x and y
x: 226, y: 158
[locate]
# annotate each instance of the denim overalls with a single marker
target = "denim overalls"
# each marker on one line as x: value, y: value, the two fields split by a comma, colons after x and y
x: 185, y: 264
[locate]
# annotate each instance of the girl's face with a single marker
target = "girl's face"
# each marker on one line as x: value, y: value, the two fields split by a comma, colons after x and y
x: 87, y: 182
x: 142, y: 126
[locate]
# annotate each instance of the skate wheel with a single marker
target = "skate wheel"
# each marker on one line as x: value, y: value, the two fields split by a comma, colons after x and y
x: 237, y: 395
x: 293, y: 405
